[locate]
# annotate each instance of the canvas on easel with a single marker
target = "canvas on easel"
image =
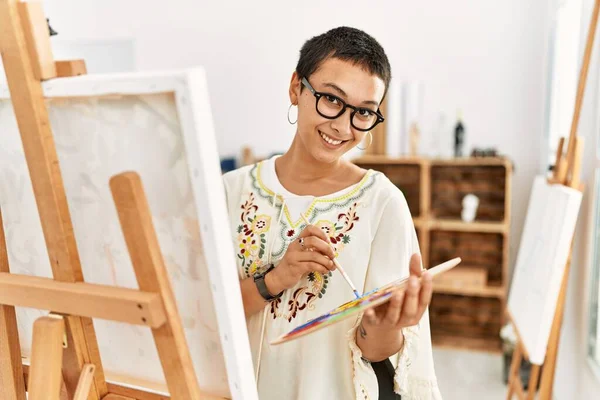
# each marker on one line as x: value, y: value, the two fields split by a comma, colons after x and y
x: 538, y: 289
x: 542, y: 257
x: 115, y: 179
x: 159, y: 126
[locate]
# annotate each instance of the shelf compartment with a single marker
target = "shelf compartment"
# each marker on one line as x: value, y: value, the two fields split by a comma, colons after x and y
x: 483, y: 250
x: 470, y: 318
x: 467, y: 280
x: 451, y: 183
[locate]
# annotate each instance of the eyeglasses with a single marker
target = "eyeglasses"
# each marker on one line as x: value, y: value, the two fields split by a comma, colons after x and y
x: 331, y: 107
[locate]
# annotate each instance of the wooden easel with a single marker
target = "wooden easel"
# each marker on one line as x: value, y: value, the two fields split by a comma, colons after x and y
x: 65, y: 360
x: 520, y: 352
x: 566, y: 172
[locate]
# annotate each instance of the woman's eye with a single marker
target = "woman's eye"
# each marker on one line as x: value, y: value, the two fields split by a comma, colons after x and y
x: 363, y: 112
x: 332, y: 99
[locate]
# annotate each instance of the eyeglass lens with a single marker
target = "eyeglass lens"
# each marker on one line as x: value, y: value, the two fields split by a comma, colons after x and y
x: 331, y: 107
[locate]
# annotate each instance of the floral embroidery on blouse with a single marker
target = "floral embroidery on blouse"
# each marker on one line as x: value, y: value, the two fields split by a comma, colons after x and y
x: 338, y: 232
x: 289, y: 228
x: 253, y: 232
x: 316, y: 283
x: 252, y: 237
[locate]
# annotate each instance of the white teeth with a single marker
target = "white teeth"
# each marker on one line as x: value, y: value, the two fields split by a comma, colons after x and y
x: 330, y: 140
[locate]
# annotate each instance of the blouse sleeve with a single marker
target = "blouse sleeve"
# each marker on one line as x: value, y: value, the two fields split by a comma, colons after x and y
x: 394, y: 242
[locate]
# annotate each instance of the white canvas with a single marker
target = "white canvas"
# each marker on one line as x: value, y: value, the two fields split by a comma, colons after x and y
x: 159, y: 125
x: 543, y: 252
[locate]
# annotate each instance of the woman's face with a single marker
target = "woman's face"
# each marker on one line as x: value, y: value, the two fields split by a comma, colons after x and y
x: 328, y: 139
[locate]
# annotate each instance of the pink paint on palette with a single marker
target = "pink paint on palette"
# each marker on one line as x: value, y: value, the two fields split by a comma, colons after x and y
x: 369, y: 300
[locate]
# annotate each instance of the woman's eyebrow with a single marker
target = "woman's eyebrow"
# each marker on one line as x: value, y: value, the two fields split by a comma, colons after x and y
x: 337, y: 88
x: 341, y: 92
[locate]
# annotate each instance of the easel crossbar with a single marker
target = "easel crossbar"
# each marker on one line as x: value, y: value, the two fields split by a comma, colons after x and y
x: 82, y: 299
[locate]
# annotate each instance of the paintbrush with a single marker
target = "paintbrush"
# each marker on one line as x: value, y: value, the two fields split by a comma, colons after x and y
x: 337, y: 264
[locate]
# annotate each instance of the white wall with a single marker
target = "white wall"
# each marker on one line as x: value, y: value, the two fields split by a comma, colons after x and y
x: 485, y: 58
x: 575, y: 378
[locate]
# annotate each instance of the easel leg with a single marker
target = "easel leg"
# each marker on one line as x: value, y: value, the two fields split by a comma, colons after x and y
x: 12, y: 384
x: 563, y: 169
x: 45, y: 375
x: 547, y: 381
x: 42, y: 161
x: 38, y: 40
x: 514, y: 375
x: 152, y: 276
x: 533, y: 381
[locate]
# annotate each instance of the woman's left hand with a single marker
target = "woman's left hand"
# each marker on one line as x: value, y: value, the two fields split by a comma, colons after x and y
x: 406, y: 307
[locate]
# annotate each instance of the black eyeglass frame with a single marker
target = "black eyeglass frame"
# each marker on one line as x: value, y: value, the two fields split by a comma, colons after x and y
x: 345, y: 105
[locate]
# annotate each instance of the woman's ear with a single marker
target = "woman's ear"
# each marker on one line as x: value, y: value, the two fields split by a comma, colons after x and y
x: 295, y: 86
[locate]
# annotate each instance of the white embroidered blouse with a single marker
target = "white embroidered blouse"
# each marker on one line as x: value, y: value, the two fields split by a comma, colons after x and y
x: 371, y: 229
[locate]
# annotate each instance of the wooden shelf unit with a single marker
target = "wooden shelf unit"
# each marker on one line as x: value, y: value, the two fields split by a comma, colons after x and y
x: 462, y: 315
x: 486, y: 291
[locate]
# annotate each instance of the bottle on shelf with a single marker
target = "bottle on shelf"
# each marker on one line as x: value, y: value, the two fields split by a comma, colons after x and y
x: 459, y: 136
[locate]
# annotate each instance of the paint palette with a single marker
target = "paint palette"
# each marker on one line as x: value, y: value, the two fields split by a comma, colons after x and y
x: 368, y: 300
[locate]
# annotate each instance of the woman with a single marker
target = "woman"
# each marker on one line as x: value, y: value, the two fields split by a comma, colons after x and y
x: 360, y: 217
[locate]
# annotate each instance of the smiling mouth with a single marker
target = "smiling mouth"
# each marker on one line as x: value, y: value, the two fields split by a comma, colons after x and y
x: 331, y: 140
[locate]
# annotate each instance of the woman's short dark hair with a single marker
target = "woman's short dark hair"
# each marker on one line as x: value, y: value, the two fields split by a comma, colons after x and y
x: 347, y: 44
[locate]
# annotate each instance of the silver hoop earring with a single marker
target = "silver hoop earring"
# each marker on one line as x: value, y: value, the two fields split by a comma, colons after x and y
x: 288, y: 115
x: 370, y: 141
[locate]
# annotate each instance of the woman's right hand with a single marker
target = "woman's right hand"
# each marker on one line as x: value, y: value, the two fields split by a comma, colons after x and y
x: 310, y: 252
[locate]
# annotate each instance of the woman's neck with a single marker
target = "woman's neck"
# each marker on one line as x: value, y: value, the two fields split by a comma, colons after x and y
x: 300, y: 173
x: 298, y: 163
